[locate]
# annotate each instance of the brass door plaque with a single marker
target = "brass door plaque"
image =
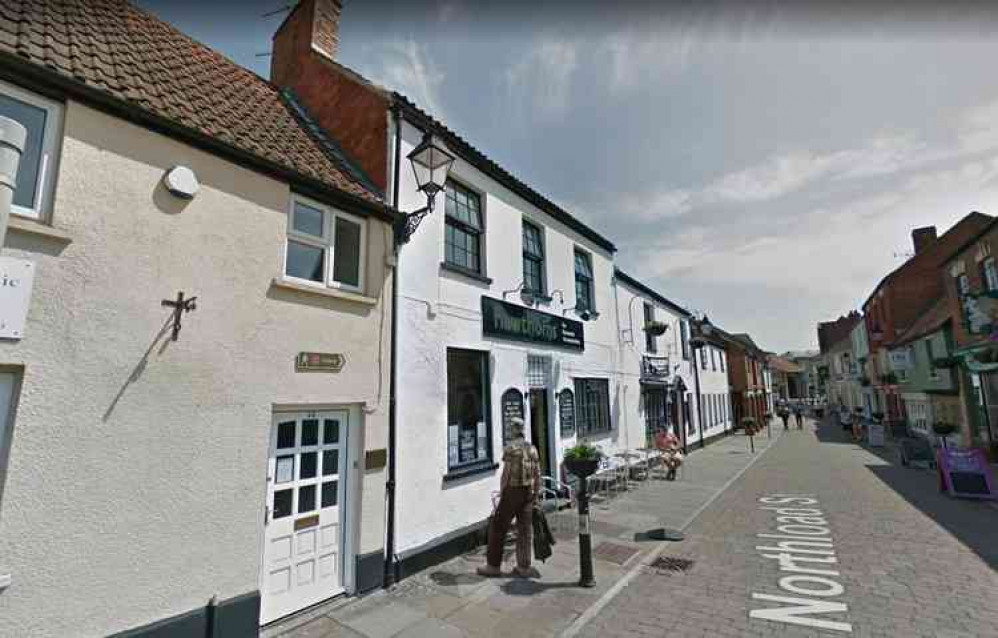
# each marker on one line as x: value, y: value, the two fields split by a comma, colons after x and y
x: 375, y: 459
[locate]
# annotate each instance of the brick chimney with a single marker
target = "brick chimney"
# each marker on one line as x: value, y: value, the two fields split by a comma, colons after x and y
x: 922, y: 238
x: 352, y: 111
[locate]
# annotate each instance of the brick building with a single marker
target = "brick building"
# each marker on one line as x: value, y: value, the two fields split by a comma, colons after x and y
x: 970, y: 282
x: 746, y: 365
x: 902, y: 296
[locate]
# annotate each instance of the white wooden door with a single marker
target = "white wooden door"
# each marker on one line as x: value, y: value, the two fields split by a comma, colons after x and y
x: 303, y: 539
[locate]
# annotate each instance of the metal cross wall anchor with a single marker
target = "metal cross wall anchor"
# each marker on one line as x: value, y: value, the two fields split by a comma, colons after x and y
x: 180, y: 306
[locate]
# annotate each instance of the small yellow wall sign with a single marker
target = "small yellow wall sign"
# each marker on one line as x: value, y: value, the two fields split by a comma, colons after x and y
x: 319, y: 362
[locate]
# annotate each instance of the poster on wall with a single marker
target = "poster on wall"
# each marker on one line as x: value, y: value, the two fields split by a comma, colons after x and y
x: 566, y: 413
x: 512, y: 407
x: 966, y: 473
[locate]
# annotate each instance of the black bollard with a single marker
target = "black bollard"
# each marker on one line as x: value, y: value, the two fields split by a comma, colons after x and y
x: 585, y: 538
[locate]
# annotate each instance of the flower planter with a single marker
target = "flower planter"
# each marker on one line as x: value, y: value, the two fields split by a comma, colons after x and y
x: 943, y: 429
x: 582, y: 468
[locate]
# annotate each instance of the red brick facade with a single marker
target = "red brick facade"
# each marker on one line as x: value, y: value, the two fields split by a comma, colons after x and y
x: 745, y: 376
x: 342, y: 101
x: 968, y: 261
x: 906, y: 293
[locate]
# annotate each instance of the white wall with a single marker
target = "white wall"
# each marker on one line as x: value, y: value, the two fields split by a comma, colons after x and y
x: 137, y: 471
x: 440, y: 309
x: 713, y: 381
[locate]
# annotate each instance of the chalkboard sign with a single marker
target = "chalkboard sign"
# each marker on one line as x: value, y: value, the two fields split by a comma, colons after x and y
x: 966, y: 473
x: 512, y: 406
x: 566, y: 410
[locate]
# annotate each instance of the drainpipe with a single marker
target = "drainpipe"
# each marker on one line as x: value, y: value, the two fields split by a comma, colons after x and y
x: 391, y: 565
x: 12, y: 140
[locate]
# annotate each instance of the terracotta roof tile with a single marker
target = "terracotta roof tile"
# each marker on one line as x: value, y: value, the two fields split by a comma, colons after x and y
x: 134, y: 57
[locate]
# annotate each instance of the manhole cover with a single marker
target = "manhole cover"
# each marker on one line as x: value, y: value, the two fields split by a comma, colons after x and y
x: 614, y: 553
x: 671, y: 564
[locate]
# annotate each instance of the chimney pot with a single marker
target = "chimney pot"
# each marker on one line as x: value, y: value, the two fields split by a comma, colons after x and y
x: 923, y: 237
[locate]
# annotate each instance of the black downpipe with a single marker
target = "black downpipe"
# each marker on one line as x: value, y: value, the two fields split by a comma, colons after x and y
x: 696, y: 379
x: 391, y: 565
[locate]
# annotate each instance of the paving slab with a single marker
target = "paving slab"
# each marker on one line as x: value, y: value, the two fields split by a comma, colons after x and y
x: 450, y: 599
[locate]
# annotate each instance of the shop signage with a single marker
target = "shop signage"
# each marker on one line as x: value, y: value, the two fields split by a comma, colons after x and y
x: 17, y: 277
x: 512, y: 407
x: 980, y: 312
x: 899, y: 359
x: 517, y: 323
x: 319, y: 362
x: 966, y: 473
x: 566, y: 412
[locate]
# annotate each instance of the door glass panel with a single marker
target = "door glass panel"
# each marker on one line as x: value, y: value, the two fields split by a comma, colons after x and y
x: 331, y: 431
x: 286, y: 435
x: 307, y: 468
x: 330, y: 462
x: 329, y: 493
x: 310, y: 432
x: 306, y: 498
x: 282, y: 503
x: 285, y: 469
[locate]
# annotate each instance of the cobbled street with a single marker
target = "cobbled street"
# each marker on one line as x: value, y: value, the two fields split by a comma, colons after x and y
x: 912, y: 561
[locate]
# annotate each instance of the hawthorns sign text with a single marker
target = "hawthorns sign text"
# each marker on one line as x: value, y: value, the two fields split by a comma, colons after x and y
x: 803, y: 549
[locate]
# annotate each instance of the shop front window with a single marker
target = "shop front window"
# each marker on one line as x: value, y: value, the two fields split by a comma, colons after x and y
x: 469, y: 431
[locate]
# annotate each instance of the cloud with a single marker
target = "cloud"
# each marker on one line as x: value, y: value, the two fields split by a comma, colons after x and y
x: 543, y: 75
x: 784, y: 174
x: 978, y: 128
x: 406, y: 66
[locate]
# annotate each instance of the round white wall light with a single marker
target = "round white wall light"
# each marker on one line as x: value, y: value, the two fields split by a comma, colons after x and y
x: 182, y: 182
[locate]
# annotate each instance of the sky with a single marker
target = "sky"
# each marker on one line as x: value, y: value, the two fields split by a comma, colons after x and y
x: 761, y: 162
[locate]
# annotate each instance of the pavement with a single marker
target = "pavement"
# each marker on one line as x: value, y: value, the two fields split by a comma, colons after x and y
x: 911, y: 561
x: 451, y: 600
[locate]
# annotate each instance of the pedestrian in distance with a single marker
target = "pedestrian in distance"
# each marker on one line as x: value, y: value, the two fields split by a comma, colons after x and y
x: 799, y: 416
x: 785, y: 417
x: 521, y: 486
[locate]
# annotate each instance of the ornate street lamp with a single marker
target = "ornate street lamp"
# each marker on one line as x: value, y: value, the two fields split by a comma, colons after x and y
x: 431, y: 162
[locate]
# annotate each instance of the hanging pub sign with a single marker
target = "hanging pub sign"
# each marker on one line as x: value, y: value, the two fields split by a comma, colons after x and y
x: 517, y: 323
x: 512, y: 407
x: 566, y: 412
x: 900, y: 359
x: 965, y: 472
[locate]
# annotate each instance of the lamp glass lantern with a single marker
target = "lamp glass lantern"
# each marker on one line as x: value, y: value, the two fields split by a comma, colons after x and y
x: 431, y: 161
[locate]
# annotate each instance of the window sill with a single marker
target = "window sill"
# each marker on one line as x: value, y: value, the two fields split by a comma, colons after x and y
x: 474, y: 470
x: 287, y: 284
x: 38, y: 229
x: 464, y: 272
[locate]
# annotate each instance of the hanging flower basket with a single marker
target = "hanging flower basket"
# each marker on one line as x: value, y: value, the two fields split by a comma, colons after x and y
x: 749, y: 424
x: 656, y: 328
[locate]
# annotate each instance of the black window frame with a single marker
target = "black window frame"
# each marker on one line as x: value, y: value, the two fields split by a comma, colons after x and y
x: 587, y: 280
x: 651, y: 346
x: 460, y: 225
x: 478, y: 464
x: 592, y: 418
x: 538, y: 259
